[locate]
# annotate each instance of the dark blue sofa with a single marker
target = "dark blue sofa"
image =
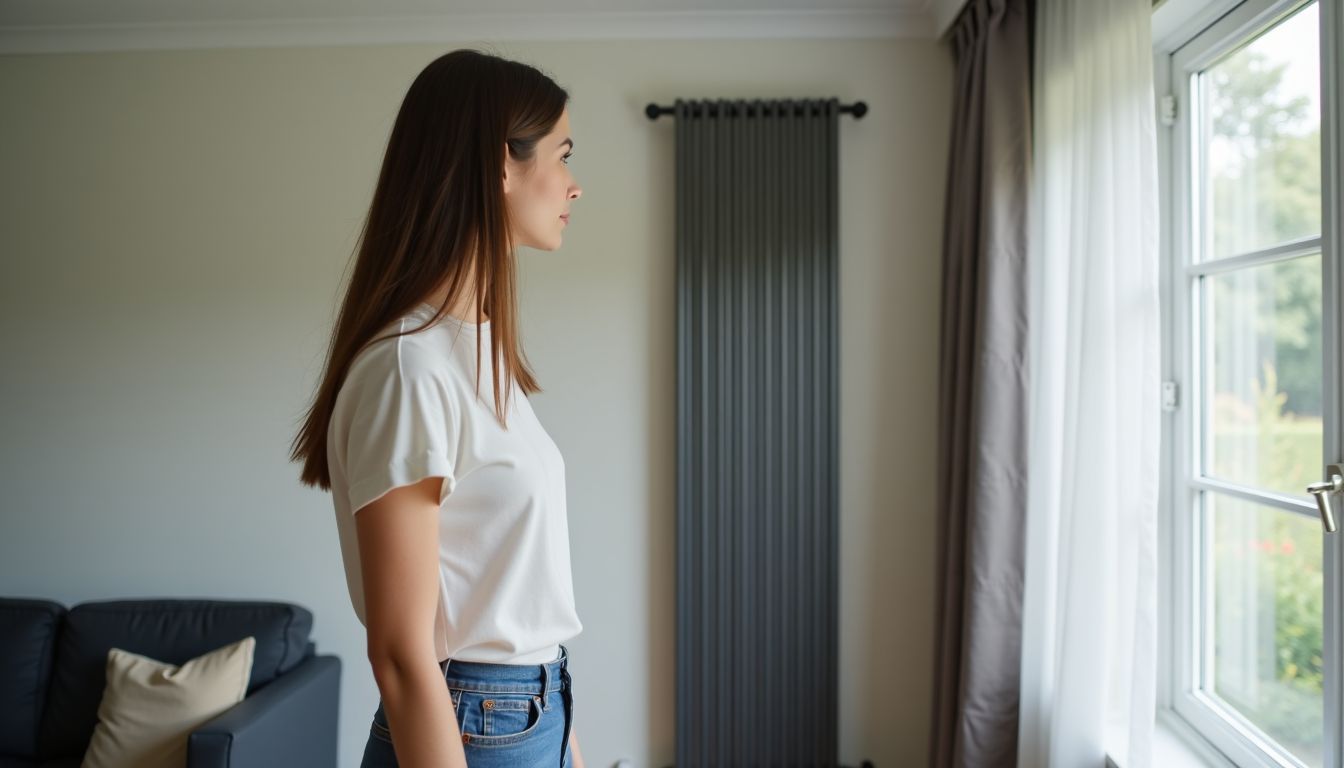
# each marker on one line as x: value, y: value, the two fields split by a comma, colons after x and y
x: 53, y: 663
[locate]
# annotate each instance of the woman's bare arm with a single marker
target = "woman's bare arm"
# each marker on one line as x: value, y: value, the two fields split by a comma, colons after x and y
x: 574, y: 747
x: 398, y: 537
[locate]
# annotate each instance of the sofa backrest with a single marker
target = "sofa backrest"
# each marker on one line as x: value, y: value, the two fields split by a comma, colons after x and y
x: 28, y: 631
x: 169, y: 630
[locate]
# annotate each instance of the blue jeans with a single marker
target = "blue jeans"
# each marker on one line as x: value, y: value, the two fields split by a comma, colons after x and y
x: 510, y: 715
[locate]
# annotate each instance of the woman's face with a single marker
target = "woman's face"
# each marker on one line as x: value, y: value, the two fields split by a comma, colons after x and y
x: 539, y: 193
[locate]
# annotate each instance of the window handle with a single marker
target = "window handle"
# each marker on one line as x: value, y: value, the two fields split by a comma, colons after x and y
x: 1323, y: 491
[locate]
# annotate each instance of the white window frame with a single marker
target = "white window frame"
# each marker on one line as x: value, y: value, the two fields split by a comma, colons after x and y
x: 1220, y: 740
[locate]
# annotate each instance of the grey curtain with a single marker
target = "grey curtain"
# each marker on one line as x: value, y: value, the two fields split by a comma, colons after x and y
x: 757, y: 432
x: 982, y: 449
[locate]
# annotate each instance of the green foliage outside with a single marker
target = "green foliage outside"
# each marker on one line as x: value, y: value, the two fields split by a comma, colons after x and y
x: 1287, y: 610
x: 1267, y: 376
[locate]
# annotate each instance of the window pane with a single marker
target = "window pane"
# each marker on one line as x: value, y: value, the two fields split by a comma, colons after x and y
x: 1264, y: 375
x: 1267, y: 621
x: 1261, y: 129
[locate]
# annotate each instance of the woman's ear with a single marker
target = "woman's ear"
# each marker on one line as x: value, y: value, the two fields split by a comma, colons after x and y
x: 506, y: 168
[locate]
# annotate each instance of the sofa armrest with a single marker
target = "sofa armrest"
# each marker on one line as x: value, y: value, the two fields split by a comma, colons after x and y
x: 292, y: 721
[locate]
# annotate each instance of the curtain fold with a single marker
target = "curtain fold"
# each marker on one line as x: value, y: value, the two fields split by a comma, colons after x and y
x: 982, y: 452
x: 1089, y: 632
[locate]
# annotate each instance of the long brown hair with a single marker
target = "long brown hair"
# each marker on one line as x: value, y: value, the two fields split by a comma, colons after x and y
x: 439, y: 217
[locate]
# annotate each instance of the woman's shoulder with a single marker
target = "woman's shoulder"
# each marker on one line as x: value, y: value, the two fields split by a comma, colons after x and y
x: 412, y: 357
x: 404, y: 382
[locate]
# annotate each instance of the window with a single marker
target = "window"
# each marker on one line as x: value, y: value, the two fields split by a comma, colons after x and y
x: 1247, y: 305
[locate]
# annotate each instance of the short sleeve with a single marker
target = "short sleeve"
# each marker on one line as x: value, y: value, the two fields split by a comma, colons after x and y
x: 403, y: 428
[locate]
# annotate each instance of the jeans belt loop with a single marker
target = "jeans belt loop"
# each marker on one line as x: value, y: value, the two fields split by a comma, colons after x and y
x: 545, y: 684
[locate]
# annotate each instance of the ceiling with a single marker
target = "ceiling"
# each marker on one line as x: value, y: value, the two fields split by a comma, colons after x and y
x: 35, y: 26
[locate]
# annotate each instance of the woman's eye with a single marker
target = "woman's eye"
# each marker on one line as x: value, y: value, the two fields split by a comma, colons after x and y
x: 565, y: 159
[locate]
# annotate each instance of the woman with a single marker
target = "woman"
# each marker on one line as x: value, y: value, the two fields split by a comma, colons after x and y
x: 450, y: 504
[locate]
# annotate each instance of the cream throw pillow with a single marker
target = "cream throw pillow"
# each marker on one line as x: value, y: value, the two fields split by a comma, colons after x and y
x: 149, y: 708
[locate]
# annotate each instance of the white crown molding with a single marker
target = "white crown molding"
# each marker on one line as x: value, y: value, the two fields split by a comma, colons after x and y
x: 943, y: 13
x: 464, y: 27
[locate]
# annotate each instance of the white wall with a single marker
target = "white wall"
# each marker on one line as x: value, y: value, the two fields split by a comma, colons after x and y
x: 174, y: 229
x: 944, y: 13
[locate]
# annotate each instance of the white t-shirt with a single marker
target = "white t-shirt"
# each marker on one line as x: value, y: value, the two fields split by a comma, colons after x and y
x: 408, y: 410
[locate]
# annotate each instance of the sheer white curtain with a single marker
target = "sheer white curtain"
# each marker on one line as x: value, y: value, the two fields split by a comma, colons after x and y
x: 1089, y: 639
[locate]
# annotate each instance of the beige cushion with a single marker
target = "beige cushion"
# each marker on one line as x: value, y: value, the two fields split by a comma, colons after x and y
x: 149, y: 708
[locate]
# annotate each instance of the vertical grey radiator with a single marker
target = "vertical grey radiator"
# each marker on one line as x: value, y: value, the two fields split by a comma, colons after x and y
x: 757, y: 429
